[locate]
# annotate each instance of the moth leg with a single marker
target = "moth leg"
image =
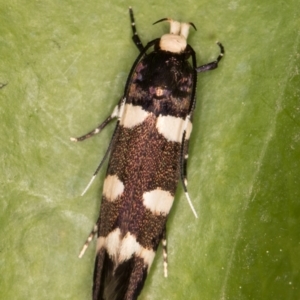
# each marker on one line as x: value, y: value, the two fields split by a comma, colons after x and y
x: 214, y: 64
x: 117, y: 112
x: 185, y: 157
x: 88, y: 240
x: 135, y: 37
x: 103, y: 159
x: 99, y: 128
x: 165, y: 251
x: 93, y: 132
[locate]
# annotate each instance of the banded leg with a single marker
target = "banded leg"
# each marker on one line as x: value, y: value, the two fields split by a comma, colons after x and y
x: 117, y: 112
x: 88, y: 240
x: 165, y: 251
x: 93, y: 132
x: 103, y: 159
x: 184, y: 162
x: 135, y: 37
x: 98, y: 129
x: 214, y: 64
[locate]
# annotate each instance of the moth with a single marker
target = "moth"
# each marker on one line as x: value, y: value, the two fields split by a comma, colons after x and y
x: 147, y: 157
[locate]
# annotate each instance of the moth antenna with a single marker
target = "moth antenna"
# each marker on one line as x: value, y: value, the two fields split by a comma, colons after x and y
x: 183, y: 167
x: 82, y: 251
x: 193, y: 25
x: 191, y: 205
x: 89, y: 184
x: 162, y: 20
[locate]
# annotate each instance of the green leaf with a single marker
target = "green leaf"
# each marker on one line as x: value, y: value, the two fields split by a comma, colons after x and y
x: 65, y: 64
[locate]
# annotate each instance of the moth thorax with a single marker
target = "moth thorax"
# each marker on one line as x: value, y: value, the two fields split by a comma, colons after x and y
x: 175, y: 41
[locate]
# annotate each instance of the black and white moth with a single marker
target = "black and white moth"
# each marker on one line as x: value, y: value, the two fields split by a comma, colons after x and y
x: 148, y: 156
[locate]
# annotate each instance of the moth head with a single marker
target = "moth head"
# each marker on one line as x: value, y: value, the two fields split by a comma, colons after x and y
x: 176, y: 40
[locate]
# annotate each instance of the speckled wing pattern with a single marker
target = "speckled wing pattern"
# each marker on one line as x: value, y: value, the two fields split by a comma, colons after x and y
x: 148, y: 155
x: 145, y: 167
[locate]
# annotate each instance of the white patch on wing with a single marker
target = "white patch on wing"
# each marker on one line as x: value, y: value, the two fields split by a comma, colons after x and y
x: 133, y: 115
x: 112, y: 242
x: 115, y: 112
x: 147, y: 255
x: 172, y: 128
x: 158, y: 201
x: 123, y: 249
x: 129, y: 246
x: 113, y: 187
x: 188, y: 128
x: 100, y: 243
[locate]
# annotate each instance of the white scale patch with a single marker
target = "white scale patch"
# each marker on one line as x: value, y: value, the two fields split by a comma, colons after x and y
x: 133, y: 115
x: 113, y: 187
x: 175, y: 41
x: 158, y: 201
x: 172, y: 128
x: 123, y: 249
x: 115, y: 112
